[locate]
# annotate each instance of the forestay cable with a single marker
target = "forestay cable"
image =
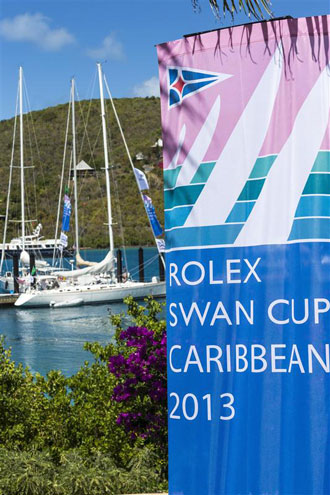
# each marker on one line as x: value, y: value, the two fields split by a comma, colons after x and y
x: 9, y: 186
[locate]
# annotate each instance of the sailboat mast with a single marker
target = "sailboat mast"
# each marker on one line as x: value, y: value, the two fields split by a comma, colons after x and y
x: 106, y: 158
x: 74, y: 165
x: 131, y: 163
x: 22, y: 154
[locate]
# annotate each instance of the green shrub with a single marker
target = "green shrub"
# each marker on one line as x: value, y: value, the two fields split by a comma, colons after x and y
x: 36, y: 473
x: 59, y: 435
x: 26, y: 473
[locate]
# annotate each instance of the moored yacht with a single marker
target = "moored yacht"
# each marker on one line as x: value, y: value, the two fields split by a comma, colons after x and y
x: 96, y: 283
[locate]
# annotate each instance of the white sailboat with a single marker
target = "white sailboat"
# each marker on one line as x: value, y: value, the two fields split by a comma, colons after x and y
x: 25, y: 244
x: 33, y: 242
x: 97, y: 283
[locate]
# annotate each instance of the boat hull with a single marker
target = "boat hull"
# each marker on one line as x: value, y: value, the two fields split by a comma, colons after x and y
x: 93, y: 294
x: 67, y: 304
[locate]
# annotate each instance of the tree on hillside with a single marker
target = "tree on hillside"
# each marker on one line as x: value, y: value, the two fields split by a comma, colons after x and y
x: 255, y: 8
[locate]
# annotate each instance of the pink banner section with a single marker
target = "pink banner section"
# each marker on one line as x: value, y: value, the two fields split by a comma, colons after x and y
x: 235, y: 54
x: 245, y: 114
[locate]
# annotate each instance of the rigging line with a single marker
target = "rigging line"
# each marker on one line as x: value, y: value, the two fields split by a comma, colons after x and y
x: 70, y: 169
x: 146, y: 263
x: 113, y: 179
x: 35, y: 193
x: 87, y: 119
x: 97, y: 138
x: 28, y: 135
x: 62, y: 180
x: 74, y: 165
x: 26, y: 183
x: 91, y: 89
x: 90, y: 93
x: 85, y: 124
x: 101, y: 196
x: 120, y: 218
x: 98, y: 212
x: 29, y: 116
x: 38, y: 254
x: 82, y: 182
x: 130, y: 160
x: 34, y: 130
x: 15, y: 195
x: 151, y: 260
x: 9, y: 185
x: 136, y: 271
x: 116, y: 189
x: 100, y: 126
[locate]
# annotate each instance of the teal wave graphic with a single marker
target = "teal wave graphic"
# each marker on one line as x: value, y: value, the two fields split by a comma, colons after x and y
x: 312, y: 217
x: 183, y: 198
x: 313, y: 206
x: 203, y: 236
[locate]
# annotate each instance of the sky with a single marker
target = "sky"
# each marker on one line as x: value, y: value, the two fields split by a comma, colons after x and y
x: 54, y: 40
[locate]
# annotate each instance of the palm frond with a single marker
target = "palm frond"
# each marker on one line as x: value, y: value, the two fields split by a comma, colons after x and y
x: 258, y: 9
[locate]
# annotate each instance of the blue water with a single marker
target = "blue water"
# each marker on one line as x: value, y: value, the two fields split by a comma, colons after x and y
x: 45, y: 338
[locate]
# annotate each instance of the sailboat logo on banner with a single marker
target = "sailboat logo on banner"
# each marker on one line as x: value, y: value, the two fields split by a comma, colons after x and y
x: 184, y: 82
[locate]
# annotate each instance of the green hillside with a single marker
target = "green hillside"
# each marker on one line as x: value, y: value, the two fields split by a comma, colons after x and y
x: 44, y: 137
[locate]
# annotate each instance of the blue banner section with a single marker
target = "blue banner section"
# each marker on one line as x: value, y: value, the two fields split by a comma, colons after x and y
x: 66, y: 214
x: 248, y: 370
x: 157, y: 230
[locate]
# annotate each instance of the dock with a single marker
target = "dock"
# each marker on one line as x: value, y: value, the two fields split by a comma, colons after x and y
x: 8, y: 299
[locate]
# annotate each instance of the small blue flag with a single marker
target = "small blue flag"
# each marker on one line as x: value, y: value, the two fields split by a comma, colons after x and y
x: 66, y: 214
x: 152, y: 216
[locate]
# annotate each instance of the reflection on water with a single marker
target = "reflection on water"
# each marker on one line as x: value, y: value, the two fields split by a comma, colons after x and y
x: 47, y: 338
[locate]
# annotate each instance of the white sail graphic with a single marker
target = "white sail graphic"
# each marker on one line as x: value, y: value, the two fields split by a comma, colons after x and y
x: 200, y: 146
x: 174, y: 160
x: 271, y: 219
x: 235, y: 163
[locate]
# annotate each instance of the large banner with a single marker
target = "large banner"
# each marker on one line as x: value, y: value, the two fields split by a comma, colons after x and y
x: 245, y: 117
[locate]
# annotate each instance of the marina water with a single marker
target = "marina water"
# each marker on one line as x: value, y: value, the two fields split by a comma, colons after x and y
x: 46, y: 338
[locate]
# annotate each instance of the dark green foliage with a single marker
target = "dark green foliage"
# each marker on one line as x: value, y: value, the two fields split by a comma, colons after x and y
x: 36, y: 473
x: 25, y: 473
x: 22, y: 402
x: 44, y: 144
